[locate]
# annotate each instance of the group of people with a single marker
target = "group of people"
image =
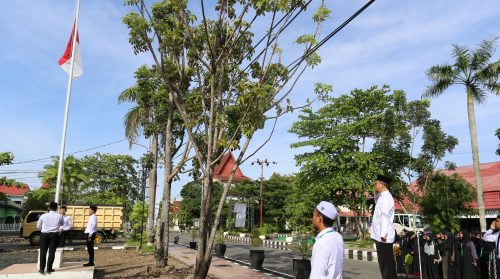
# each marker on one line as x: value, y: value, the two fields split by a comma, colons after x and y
x: 449, y: 256
x: 425, y: 255
x: 55, y: 228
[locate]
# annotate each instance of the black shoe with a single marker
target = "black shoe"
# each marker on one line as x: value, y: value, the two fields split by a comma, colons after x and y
x: 41, y: 272
x: 89, y: 264
x: 50, y: 270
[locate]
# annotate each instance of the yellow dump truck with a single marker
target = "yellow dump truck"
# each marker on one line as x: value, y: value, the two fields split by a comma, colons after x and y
x: 109, y: 219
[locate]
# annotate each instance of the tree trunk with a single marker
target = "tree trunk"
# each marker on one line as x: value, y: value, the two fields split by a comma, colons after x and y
x: 152, y: 189
x: 162, y: 234
x: 475, y: 159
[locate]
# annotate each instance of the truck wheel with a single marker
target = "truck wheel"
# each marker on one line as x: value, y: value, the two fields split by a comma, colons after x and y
x: 99, y: 237
x: 35, y: 239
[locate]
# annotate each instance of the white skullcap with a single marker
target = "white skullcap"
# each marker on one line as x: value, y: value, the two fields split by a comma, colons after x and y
x: 327, y: 209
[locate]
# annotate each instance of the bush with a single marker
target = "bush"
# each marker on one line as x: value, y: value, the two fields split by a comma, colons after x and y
x: 255, y: 240
x: 219, y: 238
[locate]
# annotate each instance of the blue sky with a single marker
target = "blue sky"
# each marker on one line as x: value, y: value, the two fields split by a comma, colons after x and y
x: 392, y: 43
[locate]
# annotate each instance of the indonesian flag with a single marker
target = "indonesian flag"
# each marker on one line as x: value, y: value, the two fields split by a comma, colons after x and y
x: 65, y: 61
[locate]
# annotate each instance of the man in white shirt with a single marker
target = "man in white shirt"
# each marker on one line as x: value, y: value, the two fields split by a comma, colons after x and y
x: 66, y: 227
x: 49, y: 224
x: 382, y: 230
x: 328, y: 250
x: 492, y: 235
x: 90, y: 234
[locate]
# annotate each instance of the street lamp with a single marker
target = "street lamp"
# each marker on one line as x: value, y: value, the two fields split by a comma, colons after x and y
x: 262, y: 163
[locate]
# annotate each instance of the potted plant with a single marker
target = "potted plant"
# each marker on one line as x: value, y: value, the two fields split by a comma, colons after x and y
x: 302, y: 266
x: 257, y: 256
x: 193, y: 244
x: 220, y: 245
x: 262, y: 233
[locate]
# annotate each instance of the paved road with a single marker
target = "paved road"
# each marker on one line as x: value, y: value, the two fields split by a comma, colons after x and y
x: 281, y: 261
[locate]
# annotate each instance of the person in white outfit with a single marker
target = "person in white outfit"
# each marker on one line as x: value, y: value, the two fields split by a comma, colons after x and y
x: 493, y: 235
x: 90, y: 234
x: 66, y: 227
x: 328, y: 250
x: 382, y: 230
x: 50, y: 225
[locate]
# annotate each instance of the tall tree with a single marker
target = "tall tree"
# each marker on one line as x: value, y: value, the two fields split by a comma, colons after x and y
x: 444, y: 200
x: 474, y: 70
x: 74, y: 178
x: 497, y: 133
x: 6, y: 158
x: 144, y: 116
x: 229, y: 101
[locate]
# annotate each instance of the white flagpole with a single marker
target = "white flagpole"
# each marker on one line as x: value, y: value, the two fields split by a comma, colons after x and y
x: 66, y: 111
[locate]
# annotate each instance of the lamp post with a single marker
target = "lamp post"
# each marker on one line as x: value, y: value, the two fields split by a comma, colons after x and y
x: 262, y: 163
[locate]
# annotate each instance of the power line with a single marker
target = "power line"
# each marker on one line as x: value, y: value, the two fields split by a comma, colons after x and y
x: 72, y: 153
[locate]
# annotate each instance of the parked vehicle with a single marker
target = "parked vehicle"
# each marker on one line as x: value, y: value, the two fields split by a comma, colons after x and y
x: 406, y: 221
x: 109, y: 218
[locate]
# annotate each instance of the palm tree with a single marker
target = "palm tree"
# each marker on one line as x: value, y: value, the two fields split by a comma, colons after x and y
x: 474, y: 70
x: 143, y: 117
x: 73, y: 177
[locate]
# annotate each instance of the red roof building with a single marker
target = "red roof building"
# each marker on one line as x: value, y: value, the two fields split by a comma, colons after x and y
x: 223, y: 169
x: 490, y: 176
x: 14, y: 190
x: 15, y: 193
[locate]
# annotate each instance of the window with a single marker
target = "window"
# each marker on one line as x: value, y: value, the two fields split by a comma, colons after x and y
x: 33, y: 217
x: 406, y: 221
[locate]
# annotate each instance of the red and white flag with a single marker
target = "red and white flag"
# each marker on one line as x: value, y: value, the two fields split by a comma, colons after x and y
x: 65, y: 61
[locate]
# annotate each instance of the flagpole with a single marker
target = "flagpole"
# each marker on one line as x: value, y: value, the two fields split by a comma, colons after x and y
x: 66, y: 111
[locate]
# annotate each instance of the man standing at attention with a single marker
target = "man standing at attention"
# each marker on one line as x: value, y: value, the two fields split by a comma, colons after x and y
x: 382, y: 230
x: 66, y: 226
x: 328, y: 250
x: 493, y: 235
x: 49, y: 224
x: 90, y: 234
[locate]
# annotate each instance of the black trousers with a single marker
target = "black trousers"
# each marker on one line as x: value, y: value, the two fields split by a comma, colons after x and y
x: 498, y: 267
x: 62, y: 238
x: 90, y: 246
x: 386, y: 260
x: 48, y: 241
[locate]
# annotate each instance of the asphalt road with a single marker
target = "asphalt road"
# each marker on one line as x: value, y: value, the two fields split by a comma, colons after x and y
x: 281, y: 261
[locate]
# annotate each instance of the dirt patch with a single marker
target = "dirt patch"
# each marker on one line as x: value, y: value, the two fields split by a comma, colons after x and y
x: 119, y: 264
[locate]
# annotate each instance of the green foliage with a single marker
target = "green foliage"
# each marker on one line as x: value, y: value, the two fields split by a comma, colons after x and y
x: 191, y: 200
x: 6, y: 158
x: 304, y: 247
x: 356, y: 136
x: 219, y: 238
x: 497, y: 133
x: 96, y: 179
x: 255, y: 241
x: 38, y: 199
x: 137, y: 217
x: 445, y: 199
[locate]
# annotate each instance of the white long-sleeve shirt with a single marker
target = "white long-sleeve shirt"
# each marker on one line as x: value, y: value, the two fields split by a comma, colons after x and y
x: 492, y: 236
x: 50, y: 222
x: 327, y: 255
x: 91, y: 225
x: 67, y: 223
x: 383, y: 218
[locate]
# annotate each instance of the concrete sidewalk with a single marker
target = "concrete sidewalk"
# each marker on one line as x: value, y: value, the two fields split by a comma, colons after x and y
x: 220, y: 268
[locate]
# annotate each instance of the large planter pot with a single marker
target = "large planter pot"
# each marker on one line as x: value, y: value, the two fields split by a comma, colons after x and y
x: 257, y: 258
x: 220, y: 250
x: 225, y: 234
x: 301, y: 268
x: 193, y: 245
x: 289, y: 239
x: 243, y: 234
x: 176, y: 239
x: 262, y: 237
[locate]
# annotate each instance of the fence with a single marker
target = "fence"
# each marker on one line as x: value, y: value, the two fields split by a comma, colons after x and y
x: 266, y: 243
x: 10, y: 227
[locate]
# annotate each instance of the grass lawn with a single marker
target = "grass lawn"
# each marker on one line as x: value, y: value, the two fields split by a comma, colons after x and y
x: 365, y: 244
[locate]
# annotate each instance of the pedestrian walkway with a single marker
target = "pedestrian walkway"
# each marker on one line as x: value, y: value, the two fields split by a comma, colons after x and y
x: 220, y: 268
